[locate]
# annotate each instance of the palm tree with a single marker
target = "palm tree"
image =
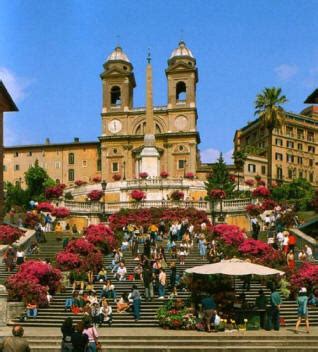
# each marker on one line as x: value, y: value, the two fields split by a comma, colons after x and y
x: 239, y: 158
x: 271, y: 115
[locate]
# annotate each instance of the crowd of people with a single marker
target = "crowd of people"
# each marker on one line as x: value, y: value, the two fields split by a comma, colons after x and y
x: 279, y: 237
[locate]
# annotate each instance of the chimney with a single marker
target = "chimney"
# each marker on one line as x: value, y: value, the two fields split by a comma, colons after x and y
x: 76, y: 140
x: 47, y: 141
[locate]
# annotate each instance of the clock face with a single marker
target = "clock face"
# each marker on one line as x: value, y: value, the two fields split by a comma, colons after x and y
x: 181, y: 123
x: 114, y: 126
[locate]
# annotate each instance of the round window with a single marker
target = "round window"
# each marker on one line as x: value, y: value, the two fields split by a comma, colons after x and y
x: 115, y: 151
x: 181, y: 148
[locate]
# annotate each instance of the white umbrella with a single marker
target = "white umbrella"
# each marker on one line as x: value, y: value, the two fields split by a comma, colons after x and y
x: 234, y: 267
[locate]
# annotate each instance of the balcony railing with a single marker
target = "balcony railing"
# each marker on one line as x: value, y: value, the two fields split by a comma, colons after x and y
x: 228, y: 205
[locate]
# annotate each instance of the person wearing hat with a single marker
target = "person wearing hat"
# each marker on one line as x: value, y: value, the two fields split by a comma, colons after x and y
x: 302, y: 302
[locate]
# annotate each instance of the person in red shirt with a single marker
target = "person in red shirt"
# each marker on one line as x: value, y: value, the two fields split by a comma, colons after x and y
x: 291, y: 242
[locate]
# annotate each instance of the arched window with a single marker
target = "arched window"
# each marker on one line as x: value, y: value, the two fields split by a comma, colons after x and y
x: 181, y: 91
x: 115, y: 96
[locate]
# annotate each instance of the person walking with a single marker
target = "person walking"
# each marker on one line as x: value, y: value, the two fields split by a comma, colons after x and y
x: 79, y: 340
x: 147, y: 279
x: 67, y: 330
x: 92, y: 334
x: 16, y: 342
x: 302, y: 302
x: 274, y: 312
x: 173, y: 275
x: 135, y: 296
x: 162, y: 283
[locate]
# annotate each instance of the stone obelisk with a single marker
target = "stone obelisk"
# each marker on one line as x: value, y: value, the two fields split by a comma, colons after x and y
x: 150, y: 158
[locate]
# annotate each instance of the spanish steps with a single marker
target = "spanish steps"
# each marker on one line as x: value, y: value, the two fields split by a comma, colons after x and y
x: 54, y: 315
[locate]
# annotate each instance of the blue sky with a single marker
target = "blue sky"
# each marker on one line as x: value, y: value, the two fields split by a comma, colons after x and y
x: 52, y: 52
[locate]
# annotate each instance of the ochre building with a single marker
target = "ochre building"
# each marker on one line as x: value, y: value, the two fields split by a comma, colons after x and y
x: 295, y: 146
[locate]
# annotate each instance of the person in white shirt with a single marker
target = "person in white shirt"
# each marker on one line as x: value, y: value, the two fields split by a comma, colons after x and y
x: 162, y: 283
x: 280, y: 239
x: 308, y: 252
x: 121, y: 272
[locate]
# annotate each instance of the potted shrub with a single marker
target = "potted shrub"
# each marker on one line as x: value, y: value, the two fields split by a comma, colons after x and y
x: 217, y: 194
x: 189, y: 175
x: 250, y: 182
x: 79, y: 183
x: 116, y: 177
x: 164, y: 174
x: 95, y: 195
x: 96, y: 179
x: 261, y: 192
x: 138, y: 195
x: 177, y: 196
x: 143, y: 175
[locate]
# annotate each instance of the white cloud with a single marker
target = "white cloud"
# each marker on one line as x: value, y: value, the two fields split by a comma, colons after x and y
x: 15, y: 85
x: 285, y: 72
x: 210, y: 155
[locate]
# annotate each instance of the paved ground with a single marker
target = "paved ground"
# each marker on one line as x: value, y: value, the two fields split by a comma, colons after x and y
x: 131, y: 332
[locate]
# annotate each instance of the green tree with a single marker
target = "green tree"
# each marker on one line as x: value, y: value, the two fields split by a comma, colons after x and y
x: 271, y: 114
x: 220, y: 178
x: 239, y: 158
x: 299, y: 192
x: 15, y: 196
x: 35, y: 178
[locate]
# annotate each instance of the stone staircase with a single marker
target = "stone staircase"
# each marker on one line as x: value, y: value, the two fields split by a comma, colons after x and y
x: 172, y: 341
x: 54, y: 315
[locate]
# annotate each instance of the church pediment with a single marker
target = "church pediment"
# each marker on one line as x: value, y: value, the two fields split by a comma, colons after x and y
x: 180, y: 66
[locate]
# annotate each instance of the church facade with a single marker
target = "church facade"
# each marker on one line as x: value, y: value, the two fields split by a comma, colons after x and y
x: 174, y: 125
x: 121, y: 145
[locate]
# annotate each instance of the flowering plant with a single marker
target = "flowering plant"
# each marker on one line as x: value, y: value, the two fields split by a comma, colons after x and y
x: 95, y: 195
x: 261, y: 191
x: 268, y: 204
x: 261, y: 183
x: 258, y: 178
x: 143, y: 174
x: 54, y: 191
x: 307, y: 276
x: 45, y: 206
x: 138, y: 195
x: 253, y: 210
x: 146, y: 217
x: 173, y: 317
x: 61, y: 212
x: 116, y: 177
x: 31, y: 219
x: 254, y: 247
x: 164, y: 174
x: 232, y: 178
x: 250, y: 182
x: 80, y: 183
x: 101, y: 236
x: 217, y: 194
x: 9, y: 234
x: 80, y: 246
x: 80, y: 254
x: 177, y: 195
x: 96, y: 179
x: 68, y: 261
x: 229, y: 234
x: 33, y: 281
x: 189, y: 175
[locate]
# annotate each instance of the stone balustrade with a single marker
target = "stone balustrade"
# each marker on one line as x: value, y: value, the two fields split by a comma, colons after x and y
x: 228, y: 205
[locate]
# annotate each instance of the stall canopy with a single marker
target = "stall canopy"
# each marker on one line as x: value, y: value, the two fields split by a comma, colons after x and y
x: 233, y: 267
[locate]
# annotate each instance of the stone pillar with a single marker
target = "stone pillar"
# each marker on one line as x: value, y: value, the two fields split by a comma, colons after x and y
x: 3, y: 305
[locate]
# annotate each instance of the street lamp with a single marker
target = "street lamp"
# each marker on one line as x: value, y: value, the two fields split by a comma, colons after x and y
x: 124, y: 168
x: 104, y: 185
